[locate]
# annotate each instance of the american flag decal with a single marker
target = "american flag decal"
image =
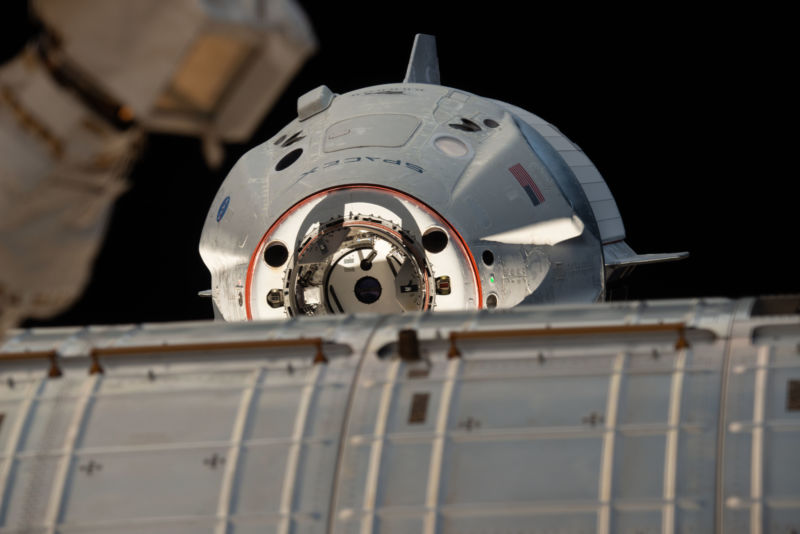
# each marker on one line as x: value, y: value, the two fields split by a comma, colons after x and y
x: 527, y: 184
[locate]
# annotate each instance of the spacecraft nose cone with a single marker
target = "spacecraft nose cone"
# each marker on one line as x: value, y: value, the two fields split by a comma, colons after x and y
x: 359, y: 249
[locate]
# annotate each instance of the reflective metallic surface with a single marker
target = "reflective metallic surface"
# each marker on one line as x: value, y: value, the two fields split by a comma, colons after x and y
x: 339, y: 236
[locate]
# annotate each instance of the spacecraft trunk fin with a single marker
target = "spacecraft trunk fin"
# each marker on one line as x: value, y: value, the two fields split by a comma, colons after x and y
x: 423, y: 66
x: 620, y: 259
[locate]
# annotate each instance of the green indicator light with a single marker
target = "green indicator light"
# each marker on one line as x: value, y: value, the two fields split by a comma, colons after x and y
x: 491, y: 278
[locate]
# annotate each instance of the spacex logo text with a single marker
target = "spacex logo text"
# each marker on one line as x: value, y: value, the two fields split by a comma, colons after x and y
x: 364, y: 159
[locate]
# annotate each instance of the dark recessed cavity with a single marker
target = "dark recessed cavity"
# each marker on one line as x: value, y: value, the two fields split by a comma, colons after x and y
x: 466, y: 126
x: 368, y: 290
x: 491, y: 301
x: 488, y: 257
x: 390, y: 349
x: 434, y: 240
x: 491, y: 123
x: 276, y: 254
x: 288, y: 159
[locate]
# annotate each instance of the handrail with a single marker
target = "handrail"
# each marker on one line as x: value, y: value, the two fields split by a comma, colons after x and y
x: 679, y: 328
x: 51, y: 355
x: 102, y: 352
x: 96, y: 353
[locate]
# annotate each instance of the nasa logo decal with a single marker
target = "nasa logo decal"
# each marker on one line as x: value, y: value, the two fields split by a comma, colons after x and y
x: 223, y: 208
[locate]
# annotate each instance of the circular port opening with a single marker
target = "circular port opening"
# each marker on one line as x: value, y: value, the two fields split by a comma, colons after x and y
x: 368, y: 290
x: 434, y: 240
x: 488, y: 257
x: 276, y: 254
x: 491, y: 301
x: 288, y: 159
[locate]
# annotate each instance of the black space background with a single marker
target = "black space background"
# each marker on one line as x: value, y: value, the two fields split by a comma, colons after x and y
x: 685, y: 114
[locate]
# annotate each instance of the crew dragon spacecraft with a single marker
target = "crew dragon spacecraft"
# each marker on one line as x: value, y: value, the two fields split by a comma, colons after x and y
x: 407, y: 197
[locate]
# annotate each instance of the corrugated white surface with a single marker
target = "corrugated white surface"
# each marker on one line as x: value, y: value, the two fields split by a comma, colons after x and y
x: 599, y: 434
